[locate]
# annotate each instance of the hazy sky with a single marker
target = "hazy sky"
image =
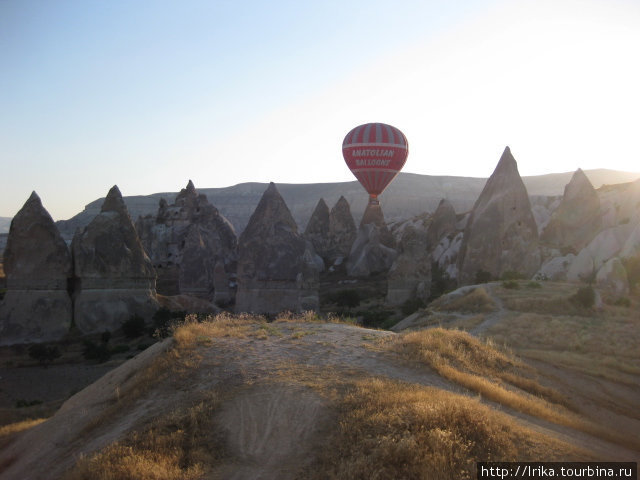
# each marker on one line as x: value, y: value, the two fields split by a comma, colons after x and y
x: 148, y: 94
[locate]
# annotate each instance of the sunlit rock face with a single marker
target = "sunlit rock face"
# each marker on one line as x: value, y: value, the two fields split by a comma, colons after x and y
x: 501, y: 234
x: 577, y: 220
x: 37, y: 265
x: 276, y: 267
x: 114, y: 278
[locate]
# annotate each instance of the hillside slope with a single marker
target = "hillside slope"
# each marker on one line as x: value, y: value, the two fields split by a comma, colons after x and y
x: 240, y: 398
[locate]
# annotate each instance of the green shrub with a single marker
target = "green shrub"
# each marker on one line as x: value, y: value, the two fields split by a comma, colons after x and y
x: 134, y: 327
x: 92, y: 351
x: 512, y: 275
x: 123, y: 347
x: 377, y: 318
x: 412, y: 305
x: 511, y: 284
x: 533, y: 284
x: 584, y: 297
x: 622, y: 302
x: 482, y: 276
x: 27, y: 403
x: 105, y: 337
x: 441, y: 283
x: 346, y: 298
x: 164, y: 320
x: 44, y: 354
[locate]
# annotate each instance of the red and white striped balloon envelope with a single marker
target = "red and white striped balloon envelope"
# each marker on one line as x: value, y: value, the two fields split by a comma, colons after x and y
x: 375, y: 153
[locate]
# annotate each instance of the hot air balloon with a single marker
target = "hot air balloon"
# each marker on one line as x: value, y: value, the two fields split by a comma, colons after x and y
x: 375, y: 153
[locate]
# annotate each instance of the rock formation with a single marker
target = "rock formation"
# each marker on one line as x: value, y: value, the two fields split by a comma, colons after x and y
x: 342, y: 230
x: 114, y: 278
x: 577, y: 219
x: 443, y: 223
x: 276, y: 266
x: 37, y: 264
x: 410, y: 274
x: 331, y: 233
x: 373, y: 251
x: 501, y: 234
x: 185, y: 241
x: 317, y: 231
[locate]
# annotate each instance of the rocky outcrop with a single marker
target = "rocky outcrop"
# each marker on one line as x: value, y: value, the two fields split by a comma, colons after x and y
x: 577, y: 219
x: 443, y: 223
x: 373, y: 251
x: 501, y: 234
x: 342, y: 230
x: 410, y: 275
x: 276, y: 266
x: 317, y: 231
x: 114, y: 278
x: 37, y: 265
x: 185, y: 241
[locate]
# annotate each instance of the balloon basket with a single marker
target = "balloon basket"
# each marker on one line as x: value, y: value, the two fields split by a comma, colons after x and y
x: 373, y: 200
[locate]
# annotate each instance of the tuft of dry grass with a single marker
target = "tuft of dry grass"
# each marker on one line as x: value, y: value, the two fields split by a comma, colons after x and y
x: 482, y: 368
x: 476, y: 301
x: 604, y: 345
x: 182, y: 445
x: 8, y: 432
x: 389, y: 429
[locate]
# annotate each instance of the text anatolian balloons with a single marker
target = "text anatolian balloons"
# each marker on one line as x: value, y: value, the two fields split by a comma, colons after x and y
x: 375, y: 153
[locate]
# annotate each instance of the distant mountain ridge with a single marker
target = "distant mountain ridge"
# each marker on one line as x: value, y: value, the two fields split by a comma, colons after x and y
x: 409, y: 194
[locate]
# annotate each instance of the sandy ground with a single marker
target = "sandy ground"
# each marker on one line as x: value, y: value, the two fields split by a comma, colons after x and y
x: 270, y: 423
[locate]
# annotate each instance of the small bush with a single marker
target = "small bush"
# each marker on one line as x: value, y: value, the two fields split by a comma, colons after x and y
x: 120, y: 348
x: 346, y: 298
x: 512, y: 275
x: 165, y: 321
x: 376, y: 318
x: 105, y: 337
x: 622, y: 302
x: 511, y: 284
x: 27, y: 403
x: 482, y: 276
x: 44, y: 354
x: 2, y: 292
x: 100, y: 352
x: 412, y: 305
x: 134, y: 327
x: 584, y: 297
x: 533, y: 284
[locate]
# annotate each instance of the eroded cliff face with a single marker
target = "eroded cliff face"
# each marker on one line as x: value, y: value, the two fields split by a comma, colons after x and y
x: 185, y: 241
x: 277, y: 268
x: 577, y: 219
x: 37, y: 264
x: 114, y: 278
x: 501, y: 234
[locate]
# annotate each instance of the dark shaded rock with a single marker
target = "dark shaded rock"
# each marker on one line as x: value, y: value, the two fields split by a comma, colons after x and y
x: 37, y: 265
x: 276, y: 269
x: 342, y: 230
x: 410, y: 275
x: 114, y: 276
x: 501, y: 234
x: 443, y: 223
x: 318, y: 229
x: 577, y: 220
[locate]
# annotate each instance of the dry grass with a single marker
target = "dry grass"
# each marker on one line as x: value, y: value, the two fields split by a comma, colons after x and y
x: 482, y: 368
x: 604, y: 345
x: 8, y: 432
x: 389, y: 429
x: 476, y: 301
x: 182, y: 445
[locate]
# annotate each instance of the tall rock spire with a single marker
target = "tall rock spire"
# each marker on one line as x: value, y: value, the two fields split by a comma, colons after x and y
x: 501, y: 234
